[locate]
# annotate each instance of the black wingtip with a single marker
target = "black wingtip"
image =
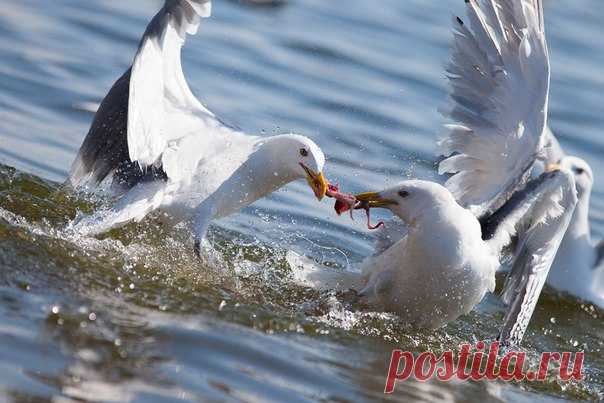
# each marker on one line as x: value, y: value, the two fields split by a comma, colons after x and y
x: 459, y: 21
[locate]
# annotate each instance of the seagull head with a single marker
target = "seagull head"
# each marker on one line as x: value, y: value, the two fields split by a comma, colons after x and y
x: 409, y: 200
x: 304, y: 159
x: 584, y: 177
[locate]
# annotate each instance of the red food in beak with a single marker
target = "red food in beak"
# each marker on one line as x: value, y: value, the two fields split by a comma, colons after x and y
x: 347, y: 202
x: 341, y: 207
x: 344, y: 201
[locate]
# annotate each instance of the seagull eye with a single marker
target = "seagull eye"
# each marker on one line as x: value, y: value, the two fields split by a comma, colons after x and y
x: 579, y: 171
x: 403, y: 193
x: 304, y: 152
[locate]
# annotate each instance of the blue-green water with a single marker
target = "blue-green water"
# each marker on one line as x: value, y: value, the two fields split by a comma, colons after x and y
x: 134, y: 316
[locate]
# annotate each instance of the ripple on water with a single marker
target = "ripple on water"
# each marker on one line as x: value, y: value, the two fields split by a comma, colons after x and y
x: 133, y: 314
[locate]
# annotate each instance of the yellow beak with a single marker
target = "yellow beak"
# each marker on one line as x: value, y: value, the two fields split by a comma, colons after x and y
x: 553, y: 167
x: 374, y: 199
x: 316, y: 181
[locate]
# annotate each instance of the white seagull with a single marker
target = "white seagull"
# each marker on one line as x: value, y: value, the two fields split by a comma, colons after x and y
x: 164, y: 150
x: 439, y: 262
x: 579, y: 265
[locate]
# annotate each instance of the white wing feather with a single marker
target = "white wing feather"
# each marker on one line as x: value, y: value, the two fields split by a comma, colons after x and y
x: 538, y: 216
x: 163, y: 114
x: 499, y: 80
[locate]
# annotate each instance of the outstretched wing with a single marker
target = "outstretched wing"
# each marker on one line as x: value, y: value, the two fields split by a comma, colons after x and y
x: 499, y: 84
x: 150, y: 120
x: 105, y: 148
x: 158, y: 86
x: 538, y: 216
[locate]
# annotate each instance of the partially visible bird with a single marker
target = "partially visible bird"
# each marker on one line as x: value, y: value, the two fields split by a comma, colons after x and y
x: 478, y: 92
x: 499, y: 75
x: 579, y: 265
x: 164, y: 150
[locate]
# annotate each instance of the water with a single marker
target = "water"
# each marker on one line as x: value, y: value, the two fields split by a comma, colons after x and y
x: 134, y: 316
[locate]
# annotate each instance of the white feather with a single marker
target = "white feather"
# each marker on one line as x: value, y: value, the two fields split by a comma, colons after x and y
x: 162, y: 109
x: 540, y: 233
x: 499, y: 78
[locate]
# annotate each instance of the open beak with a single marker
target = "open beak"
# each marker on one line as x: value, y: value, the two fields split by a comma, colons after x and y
x: 316, y: 181
x: 553, y: 167
x: 374, y: 199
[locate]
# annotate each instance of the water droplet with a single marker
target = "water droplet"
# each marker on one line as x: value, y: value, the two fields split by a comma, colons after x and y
x: 55, y: 309
x: 92, y: 316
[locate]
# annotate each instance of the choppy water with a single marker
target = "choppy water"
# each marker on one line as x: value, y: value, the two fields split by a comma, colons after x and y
x: 133, y: 316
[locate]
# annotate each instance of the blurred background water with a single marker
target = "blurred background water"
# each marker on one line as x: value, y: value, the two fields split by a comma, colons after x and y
x: 133, y: 316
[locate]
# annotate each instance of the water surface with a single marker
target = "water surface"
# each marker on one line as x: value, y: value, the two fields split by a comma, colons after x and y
x: 134, y: 316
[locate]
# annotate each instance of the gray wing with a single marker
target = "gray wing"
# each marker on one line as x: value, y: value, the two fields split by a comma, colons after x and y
x: 104, y: 151
x: 162, y: 109
x: 538, y: 216
x: 128, y: 134
x: 499, y: 83
x: 105, y: 148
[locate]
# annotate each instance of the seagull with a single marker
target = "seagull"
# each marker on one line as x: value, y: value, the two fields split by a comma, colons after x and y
x: 162, y: 149
x: 578, y: 269
x: 443, y: 262
x: 438, y: 258
x: 499, y: 78
x: 579, y: 266
x: 438, y: 268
